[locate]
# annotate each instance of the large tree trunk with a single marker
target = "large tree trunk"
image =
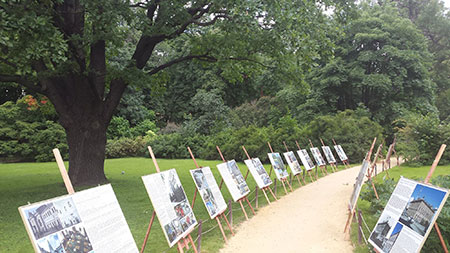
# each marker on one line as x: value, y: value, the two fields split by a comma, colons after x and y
x: 87, y: 141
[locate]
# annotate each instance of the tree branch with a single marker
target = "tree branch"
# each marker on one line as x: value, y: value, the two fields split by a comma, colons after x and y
x: 211, y: 22
x: 203, y: 57
x: 22, y: 81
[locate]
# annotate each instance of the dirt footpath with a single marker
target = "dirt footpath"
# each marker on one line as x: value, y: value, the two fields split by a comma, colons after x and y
x: 310, y: 219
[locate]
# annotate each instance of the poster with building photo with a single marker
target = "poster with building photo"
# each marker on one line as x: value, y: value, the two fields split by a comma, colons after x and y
x: 233, y: 179
x: 358, y: 184
x: 340, y: 152
x: 258, y: 172
x: 318, y: 156
x: 306, y: 160
x: 328, y: 154
x: 292, y: 162
x: 408, y: 217
x: 278, y: 165
x: 86, y: 221
x: 209, y: 191
x: 170, y: 204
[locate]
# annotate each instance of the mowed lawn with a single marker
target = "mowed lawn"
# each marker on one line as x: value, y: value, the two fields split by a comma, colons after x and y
x: 415, y: 173
x: 22, y: 183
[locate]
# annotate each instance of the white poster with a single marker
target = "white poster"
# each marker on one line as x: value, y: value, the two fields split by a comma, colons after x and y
x: 278, y: 165
x: 234, y: 180
x: 358, y: 184
x: 318, y: 156
x: 328, y: 154
x: 408, y: 217
x: 209, y: 191
x: 170, y: 204
x: 86, y: 221
x: 306, y: 160
x: 293, y: 163
x: 258, y: 172
x: 340, y: 152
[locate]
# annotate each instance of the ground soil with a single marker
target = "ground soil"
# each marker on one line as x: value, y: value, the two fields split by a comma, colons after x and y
x: 310, y: 219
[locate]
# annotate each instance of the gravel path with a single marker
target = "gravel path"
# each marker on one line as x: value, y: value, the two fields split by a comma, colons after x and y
x: 310, y: 219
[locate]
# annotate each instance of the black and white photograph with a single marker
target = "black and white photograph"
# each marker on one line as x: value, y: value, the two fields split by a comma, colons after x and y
x: 328, y: 154
x: 67, y: 212
x: 421, y: 208
x: 237, y: 177
x: 382, y: 229
x: 278, y: 165
x: 51, y: 244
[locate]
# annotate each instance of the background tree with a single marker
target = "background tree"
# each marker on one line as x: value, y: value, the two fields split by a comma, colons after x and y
x: 83, y: 54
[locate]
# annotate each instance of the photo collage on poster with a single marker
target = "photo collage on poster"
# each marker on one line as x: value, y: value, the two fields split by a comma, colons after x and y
x: 318, y: 156
x: 278, y: 165
x: 306, y: 160
x: 340, y: 152
x: 258, y: 172
x: 328, y: 154
x: 293, y: 163
x: 408, y: 217
x: 68, y: 224
x: 171, y: 204
x: 233, y: 179
x: 209, y: 191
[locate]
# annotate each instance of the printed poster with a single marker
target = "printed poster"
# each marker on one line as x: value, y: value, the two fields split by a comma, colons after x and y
x: 328, y: 154
x: 293, y: 163
x: 233, y: 179
x: 278, y: 165
x: 209, y: 191
x: 170, y: 204
x: 408, y: 217
x: 86, y: 221
x: 318, y: 156
x: 358, y: 184
x: 258, y: 172
x: 340, y: 152
x: 306, y: 160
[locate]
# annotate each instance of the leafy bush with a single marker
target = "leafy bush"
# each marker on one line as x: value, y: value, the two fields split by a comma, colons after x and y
x: 126, y: 147
x: 420, y: 137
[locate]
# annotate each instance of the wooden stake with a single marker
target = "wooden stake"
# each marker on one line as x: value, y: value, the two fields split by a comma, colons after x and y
x: 226, y: 220
x: 221, y: 230
x: 285, y: 146
x: 63, y: 171
x: 250, y: 205
x: 265, y: 195
x: 298, y: 146
x: 243, y: 209
x: 284, y: 186
x: 148, y: 231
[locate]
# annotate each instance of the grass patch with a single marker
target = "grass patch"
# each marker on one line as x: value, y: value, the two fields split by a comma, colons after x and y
x: 22, y: 183
x: 415, y: 173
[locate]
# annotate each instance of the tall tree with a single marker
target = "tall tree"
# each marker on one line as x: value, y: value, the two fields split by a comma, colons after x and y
x: 82, y: 54
x: 382, y: 63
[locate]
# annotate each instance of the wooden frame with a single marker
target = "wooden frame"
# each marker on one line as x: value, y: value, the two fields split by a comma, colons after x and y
x: 239, y: 200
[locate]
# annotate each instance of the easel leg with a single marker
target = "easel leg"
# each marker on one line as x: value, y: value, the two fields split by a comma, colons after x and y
x: 148, y: 231
x: 274, y: 196
x: 192, y: 242
x: 309, y: 173
x: 290, y: 187
x: 303, y: 179
x: 243, y: 209
x: 265, y: 195
x: 228, y: 223
x: 284, y: 186
x: 221, y: 230
x: 298, y: 179
x: 441, y: 239
x: 250, y: 205
x: 374, y: 189
x: 349, y: 220
x: 180, y: 248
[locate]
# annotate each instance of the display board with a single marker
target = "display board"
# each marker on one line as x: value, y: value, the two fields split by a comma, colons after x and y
x: 340, y: 152
x: 278, y: 165
x: 318, y: 156
x: 258, y: 172
x: 408, y: 217
x: 328, y: 154
x: 358, y: 184
x: 86, y: 221
x: 209, y: 191
x: 233, y: 179
x: 170, y: 204
x: 306, y: 160
x: 293, y: 163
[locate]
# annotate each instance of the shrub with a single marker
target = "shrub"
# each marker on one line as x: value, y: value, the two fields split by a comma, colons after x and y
x: 126, y: 147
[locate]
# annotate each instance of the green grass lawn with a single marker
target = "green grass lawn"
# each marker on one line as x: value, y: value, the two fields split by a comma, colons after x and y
x: 416, y: 173
x: 22, y: 183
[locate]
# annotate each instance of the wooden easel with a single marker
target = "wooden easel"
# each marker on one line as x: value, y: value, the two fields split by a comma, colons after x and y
x: 264, y: 189
x: 387, y: 161
x: 221, y: 215
x: 283, y: 180
x: 372, y: 168
x: 303, y: 179
x: 63, y: 171
x: 239, y: 200
x: 352, y: 211
x: 345, y: 162
x: 186, y: 240
x: 333, y: 165
x: 426, y: 181
x: 323, y: 168
x: 308, y: 171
